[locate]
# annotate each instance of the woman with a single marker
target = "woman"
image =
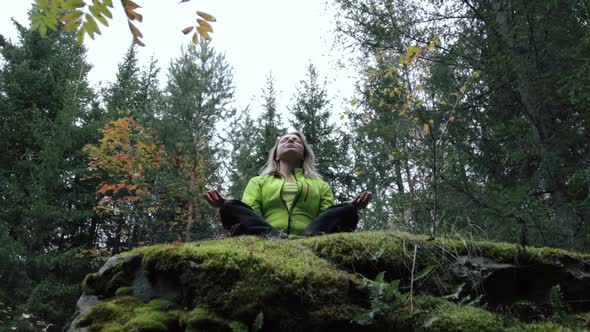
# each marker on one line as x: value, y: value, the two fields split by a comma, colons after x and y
x: 288, y: 198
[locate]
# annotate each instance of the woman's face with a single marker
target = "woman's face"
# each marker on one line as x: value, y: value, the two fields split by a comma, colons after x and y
x: 290, y: 147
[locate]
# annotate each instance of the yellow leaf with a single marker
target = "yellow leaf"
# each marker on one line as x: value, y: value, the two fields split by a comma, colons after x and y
x: 205, y: 25
x: 130, y: 5
x: 430, y: 121
x: 475, y: 74
x: 420, y: 87
x: 425, y: 129
x: 206, y: 16
x: 455, y: 94
x: 204, y: 34
x: 195, y: 39
x: 138, y: 42
x: 135, y: 31
x: 187, y: 30
x: 134, y: 16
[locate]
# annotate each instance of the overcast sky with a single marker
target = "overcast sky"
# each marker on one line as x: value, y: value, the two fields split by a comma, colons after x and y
x: 257, y: 36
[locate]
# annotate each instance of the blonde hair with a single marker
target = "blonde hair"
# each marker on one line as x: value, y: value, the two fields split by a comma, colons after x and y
x: 272, y: 164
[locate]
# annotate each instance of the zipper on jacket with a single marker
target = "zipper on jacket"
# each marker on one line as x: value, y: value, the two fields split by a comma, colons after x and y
x: 290, y: 210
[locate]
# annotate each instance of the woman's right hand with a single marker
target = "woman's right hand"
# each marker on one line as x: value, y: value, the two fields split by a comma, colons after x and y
x: 214, y: 198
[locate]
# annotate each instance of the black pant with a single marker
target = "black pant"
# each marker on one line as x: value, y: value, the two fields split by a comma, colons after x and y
x: 239, y: 219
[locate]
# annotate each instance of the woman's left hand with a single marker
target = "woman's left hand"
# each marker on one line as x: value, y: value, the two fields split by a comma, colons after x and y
x: 362, y: 200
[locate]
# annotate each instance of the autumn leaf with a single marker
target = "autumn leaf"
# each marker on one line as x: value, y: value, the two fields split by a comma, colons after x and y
x: 187, y: 30
x: 206, y: 16
x: 425, y: 129
x: 135, y: 31
x: 204, y: 25
x: 195, y: 39
x: 203, y: 33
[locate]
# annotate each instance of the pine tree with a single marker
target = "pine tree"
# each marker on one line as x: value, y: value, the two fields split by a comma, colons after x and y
x: 245, y: 161
x: 121, y: 97
x: 198, y: 94
x: 311, y: 115
x: 45, y: 206
x: 270, y: 127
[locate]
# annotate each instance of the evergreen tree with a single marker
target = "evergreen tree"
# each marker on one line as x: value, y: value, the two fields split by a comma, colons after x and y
x: 244, y: 164
x: 198, y: 94
x: 270, y: 127
x: 311, y: 115
x: 501, y: 83
x: 135, y: 91
x: 46, y: 205
x: 121, y: 97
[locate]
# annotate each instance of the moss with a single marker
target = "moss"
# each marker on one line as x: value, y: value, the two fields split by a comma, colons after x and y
x: 310, y: 284
x: 200, y: 319
x: 114, y: 312
x: 128, y: 314
x: 118, y: 280
x: 241, y: 277
x: 435, y: 314
x: 108, y: 283
x: 540, y: 327
x: 446, y: 316
x: 91, y: 284
x: 124, y: 291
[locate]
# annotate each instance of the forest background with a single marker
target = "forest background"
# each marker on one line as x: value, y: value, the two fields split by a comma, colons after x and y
x: 470, y: 119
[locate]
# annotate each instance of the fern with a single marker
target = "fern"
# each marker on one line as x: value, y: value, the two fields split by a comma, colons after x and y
x: 384, y: 298
x: 556, y: 302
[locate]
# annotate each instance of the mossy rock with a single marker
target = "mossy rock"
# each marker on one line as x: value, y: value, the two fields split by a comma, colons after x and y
x: 314, y: 284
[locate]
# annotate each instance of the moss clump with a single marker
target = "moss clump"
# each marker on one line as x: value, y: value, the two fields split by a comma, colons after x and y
x: 113, y: 313
x: 128, y: 314
x: 121, y: 291
x: 200, y: 319
x: 154, y: 316
x: 300, y: 285
x: 108, y: 283
x: 434, y: 314
x: 241, y: 277
x: 440, y: 315
x: 91, y: 284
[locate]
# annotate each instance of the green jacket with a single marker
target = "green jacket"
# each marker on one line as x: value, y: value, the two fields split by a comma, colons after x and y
x: 263, y: 194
